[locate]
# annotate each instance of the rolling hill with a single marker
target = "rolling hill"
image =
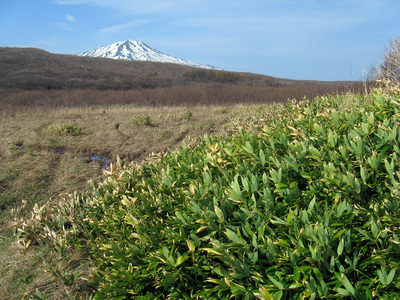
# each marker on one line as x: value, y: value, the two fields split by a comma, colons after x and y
x: 31, y: 69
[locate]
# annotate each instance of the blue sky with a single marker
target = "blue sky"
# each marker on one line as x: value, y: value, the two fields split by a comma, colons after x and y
x: 297, y: 39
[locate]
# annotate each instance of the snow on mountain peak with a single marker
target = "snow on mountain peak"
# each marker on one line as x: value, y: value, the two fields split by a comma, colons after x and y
x: 138, y: 50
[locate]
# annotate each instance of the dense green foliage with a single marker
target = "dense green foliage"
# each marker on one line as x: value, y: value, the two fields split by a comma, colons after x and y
x: 306, y: 206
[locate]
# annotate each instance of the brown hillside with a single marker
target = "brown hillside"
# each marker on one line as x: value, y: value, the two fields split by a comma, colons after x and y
x: 103, y: 81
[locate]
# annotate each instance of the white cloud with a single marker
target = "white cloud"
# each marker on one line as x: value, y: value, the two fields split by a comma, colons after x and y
x: 120, y: 27
x: 70, y: 18
x: 69, y: 2
x: 63, y: 25
x: 53, y: 41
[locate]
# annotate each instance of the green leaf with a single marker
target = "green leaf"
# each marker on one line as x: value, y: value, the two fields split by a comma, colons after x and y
x: 364, y: 174
x: 344, y: 292
x: 382, y: 276
x: 265, y: 293
x: 191, y: 246
x: 220, y: 214
x: 180, y: 260
x: 237, y: 289
x: 347, y: 284
x: 340, y: 247
x: 311, y: 204
x: 320, y: 129
x: 391, y: 276
x: 245, y: 183
x: 212, y: 250
x: 165, y: 251
x: 276, y: 282
x: 233, y: 237
x: 295, y: 286
x: 374, y: 229
x: 262, y: 157
x: 254, y: 184
x: 180, y: 217
x: 332, y: 139
x: 296, y: 273
x: 276, y: 176
x: 389, y: 167
x: 248, y: 148
x: 278, y: 295
x: 165, y: 178
x: 367, y: 235
x: 315, y: 152
x: 318, y: 274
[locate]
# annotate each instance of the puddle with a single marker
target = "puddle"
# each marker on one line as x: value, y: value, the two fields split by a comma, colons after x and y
x: 60, y: 150
x: 102, y: 160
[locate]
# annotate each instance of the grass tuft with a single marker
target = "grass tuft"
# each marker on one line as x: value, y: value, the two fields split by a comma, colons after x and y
x: 141, y: 120
x: 64, y: 129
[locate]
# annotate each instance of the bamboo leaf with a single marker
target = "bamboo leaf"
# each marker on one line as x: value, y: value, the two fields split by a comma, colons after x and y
x: 181, y: 260
x: 344, y: 292
x: 212, y: 250
x: 391, y: 276
x: 332, y: 139
x: 265, y: 293
x: 262, y: 157
x: 276, y: 282
x: 320, y: 129
x: 347, y: 284
x: 296, y: 273
x: 278, y: 295
x: 245, y: 183
x: 219, y: 213
x: 318, y: 274
x: 276, y: 176
x: 374, y: 229
x: 340, y: 247
x: 315, y: 152
x: 233, y: 237
x: 248, y: 148
x: 311, y: 204
x: 191, y: 246
x: 382, y: 277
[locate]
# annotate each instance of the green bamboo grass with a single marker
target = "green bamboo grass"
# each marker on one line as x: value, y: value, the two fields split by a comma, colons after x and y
x: 303, y: 205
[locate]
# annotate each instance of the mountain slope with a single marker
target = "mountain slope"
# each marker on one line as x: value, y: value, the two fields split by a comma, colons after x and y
x: 137, y: 50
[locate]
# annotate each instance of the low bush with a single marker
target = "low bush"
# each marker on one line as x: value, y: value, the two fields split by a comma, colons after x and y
x: 306, y: 206
x: 141, y: 120
x: 64, y: 129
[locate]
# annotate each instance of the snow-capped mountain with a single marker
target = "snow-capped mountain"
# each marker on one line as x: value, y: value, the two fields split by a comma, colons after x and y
x: 137, y: 50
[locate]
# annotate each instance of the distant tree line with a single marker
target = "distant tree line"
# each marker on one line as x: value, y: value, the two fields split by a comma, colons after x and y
x: 187, y: 95
x: 54, y: 83
x: 202, y: 75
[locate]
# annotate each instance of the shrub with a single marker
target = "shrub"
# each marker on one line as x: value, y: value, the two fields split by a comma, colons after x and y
x: 64, y: 129
x: 187, y: 114
x: 389, y: 71
x: 306, y: 207
x: 141, y: 120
